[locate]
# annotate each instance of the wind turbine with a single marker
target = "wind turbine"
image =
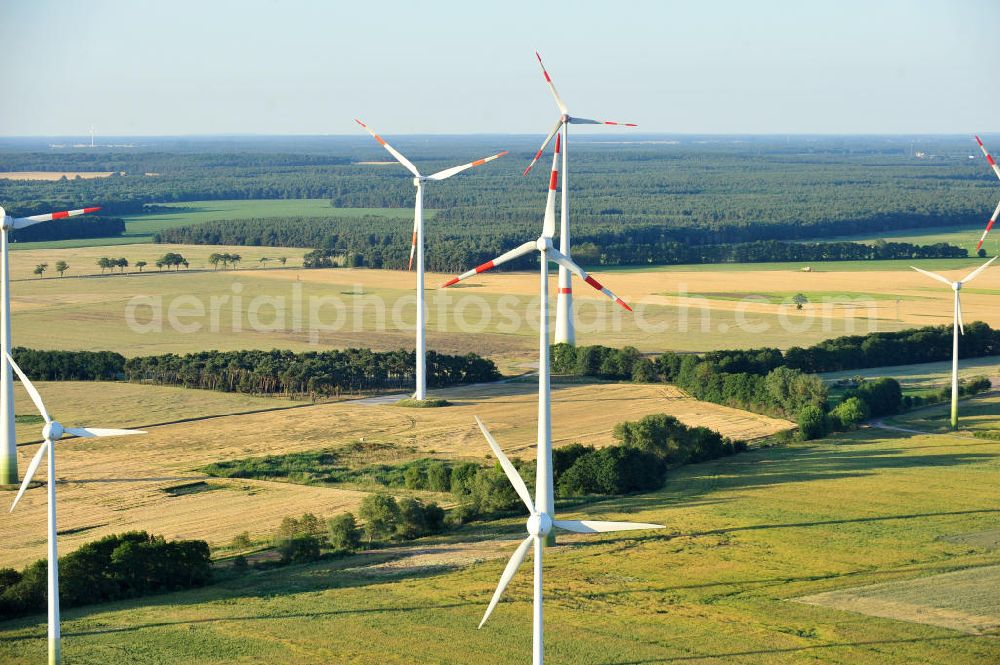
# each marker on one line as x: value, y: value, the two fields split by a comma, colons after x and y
x: 565, y: 332
x: 417, y: 246
x: 8, y: 440
x: 542, y: 510
x: 52, y: 432
x: 958, y: 325
x: 996, y: 213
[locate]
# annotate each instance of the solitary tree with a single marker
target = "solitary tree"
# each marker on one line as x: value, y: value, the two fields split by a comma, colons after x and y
x: 61, y: 267
x: 263, y: 260
x: 381, y: 515
x: 282, y: 260
x: 41, y: 268
x: 140, y: 265
x: 235, y: 259
x: 799, y: 299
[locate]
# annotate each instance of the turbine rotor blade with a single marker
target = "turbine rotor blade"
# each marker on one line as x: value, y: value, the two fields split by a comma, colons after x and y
x: 503, y: 258
x: 413, y: 243
x: 975, y: 273
x: 392, y: 151
x: 30, y: 473
x: 508, y: 468
x: 958, y: 312
x: 588, y: 121
x: 989, y: 225
x: 22, y: 222
x: 566, y: 262
x: 447, y: 173
x: 92, y: 432
x: 30, y: 387
x: 548, y: 138
x: 549, y: 225
x: 552, y: 87
x: 933, y: 275
x: 515, y: 562
x: 989, y: 157
x: 596, y: 526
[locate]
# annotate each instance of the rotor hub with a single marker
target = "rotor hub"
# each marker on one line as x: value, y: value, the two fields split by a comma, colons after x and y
x: 539, y: 525
x: 565, y: 117
x: 53, y: 431
x: 543, y: 244
x: 957, y: 286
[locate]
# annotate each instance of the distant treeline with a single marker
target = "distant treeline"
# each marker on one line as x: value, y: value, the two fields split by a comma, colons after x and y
x: 316, y: 373
x: 703, y: 192
x: 70, y: 228
x: 115, y: 567
x: 276, y: 372
x: 378, y: 242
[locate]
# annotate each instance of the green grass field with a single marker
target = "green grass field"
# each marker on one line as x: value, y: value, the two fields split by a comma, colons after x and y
x: 744, y: 537
x: 920, y: 378
x: 979, y: 414
x: 966, y: 237
x: 141, y: 228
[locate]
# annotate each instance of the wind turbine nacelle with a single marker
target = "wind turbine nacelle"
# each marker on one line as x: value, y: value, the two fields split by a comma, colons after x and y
x: 543, y: 244
x: 956, y: 286
x: 539, y: 525
x: 4, y: 219
x: 53, y: 431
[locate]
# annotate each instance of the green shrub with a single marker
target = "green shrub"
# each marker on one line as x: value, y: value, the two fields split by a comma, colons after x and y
x: 439, y: 477
x: 850, y: 413
x: 812, y: 422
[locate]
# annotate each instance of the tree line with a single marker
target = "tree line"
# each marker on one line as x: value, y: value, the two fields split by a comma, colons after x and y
x: 381, y: 242
x: 116, y: 567
x: 783, y: 384
x: 275, y: 372
x: 314, y: 373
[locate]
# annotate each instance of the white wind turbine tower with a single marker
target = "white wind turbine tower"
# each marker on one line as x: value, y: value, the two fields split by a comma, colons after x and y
x: 8, y: 441
x: 565, y: 332
x: 996, y: 213
x: 958, y: 325
x: 52, y: 432
x: 417, y: 247
x: 542, y: 510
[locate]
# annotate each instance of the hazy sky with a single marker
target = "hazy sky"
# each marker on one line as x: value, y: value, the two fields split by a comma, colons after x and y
x: 309, y: 67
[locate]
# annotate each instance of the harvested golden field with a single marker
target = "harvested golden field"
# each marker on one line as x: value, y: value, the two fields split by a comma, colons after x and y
x: 53, y: 175
x: 495, y: 315
x: 112, y: 485
x: 83, y: 260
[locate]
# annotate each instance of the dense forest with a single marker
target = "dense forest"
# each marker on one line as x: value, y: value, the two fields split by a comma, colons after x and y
x: 91, y: 226
x: 687, y: 190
